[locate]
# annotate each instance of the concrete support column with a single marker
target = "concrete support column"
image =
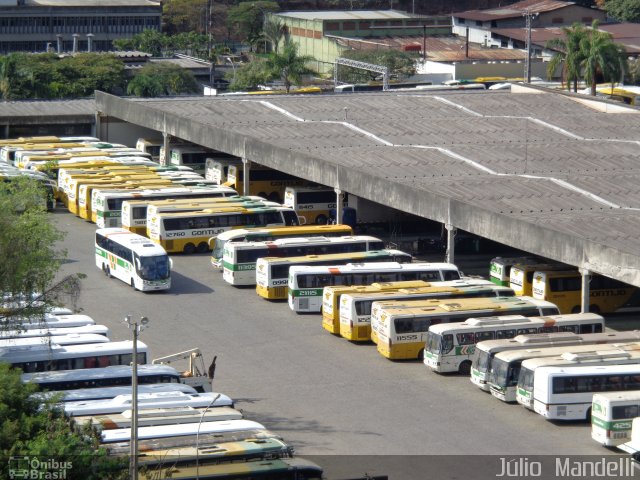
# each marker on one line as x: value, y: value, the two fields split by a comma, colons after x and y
x: 97, y: 126
x: 59, y: 43
x: 6, y: 131
x: 451, y: 235
x: 166, y: 145
x: 246, y: 172
x: 339, y: 200
x: 586, y: 278
x: 75, y: 42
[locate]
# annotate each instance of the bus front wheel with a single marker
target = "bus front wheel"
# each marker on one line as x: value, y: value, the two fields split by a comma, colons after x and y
x: 133, y: 284
x: 107, y: 271
x: 594, y: 309
x: 321, y: 220
x: 189, y: 248
x: 465, y: 367
x: 421, y: 354
x: 202, y: 247
x: 576, y: 309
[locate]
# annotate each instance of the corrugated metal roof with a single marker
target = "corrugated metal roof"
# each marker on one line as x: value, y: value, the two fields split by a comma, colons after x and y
x: 439, y: 49
x: 92, y: 3
x: 514, y: 10
x: 47, y: 108
x: 350, y: 15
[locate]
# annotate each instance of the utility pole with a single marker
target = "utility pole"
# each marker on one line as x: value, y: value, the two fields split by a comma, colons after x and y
x: 209, y: 39
x: 527, y: 63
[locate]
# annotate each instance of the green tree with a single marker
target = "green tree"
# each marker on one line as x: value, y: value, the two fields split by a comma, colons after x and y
x: 184, y: 16
x: 623, y: 10
x: 31, y: 258
x: 601, y: 57
x: 248, y: 76
x: 634, y: 71
x: 288, y: 65
x: 26, y: 429
x: 569, y: 55
x: 273, y: 32
x: 149, y: 41
x: 400, y: 65
x: 248, y: 19
x: 162, y: 78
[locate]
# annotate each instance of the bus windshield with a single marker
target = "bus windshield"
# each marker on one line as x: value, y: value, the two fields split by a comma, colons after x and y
x: 153, y: 268
x: 502, y: 373
x: 481, y: 360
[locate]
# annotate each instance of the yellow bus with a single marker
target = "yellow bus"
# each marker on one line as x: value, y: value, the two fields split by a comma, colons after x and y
x: 314, y: 204
x: 134, y: 211
x: 521, y: 275
x: 355, y: 308
x: 264, y: 182
x: 332, y: 295
x: 272, y: 233
x: 189, y: 232
x: 564, y: 288
x: 402, y: 330
x: 7, y: 152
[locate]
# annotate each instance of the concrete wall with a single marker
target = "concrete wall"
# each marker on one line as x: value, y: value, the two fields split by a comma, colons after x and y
x: 118, y: 131
x: 498, y: 69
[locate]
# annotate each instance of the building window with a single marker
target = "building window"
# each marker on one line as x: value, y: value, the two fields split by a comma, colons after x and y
x: 557, y: 20
x: 332, y: 26
x: 478, y: 23
x: 348, y: 25
x: 461, y: 21
x: 396, y: 23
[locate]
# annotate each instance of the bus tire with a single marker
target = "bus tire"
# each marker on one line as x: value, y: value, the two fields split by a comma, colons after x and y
x: 189, y: 248
x: 202, y: 247
x: 133, y: 284
x: 465, y: 368
x: 588, y: 417
x: 107, y: 271
x: 594, y: 309
x: 263, y: 195
x: 321, y: 220
x: 576, y: 309
x: 421, y: 354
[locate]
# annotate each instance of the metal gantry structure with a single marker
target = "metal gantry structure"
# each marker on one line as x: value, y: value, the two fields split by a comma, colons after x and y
x: 363, y: 66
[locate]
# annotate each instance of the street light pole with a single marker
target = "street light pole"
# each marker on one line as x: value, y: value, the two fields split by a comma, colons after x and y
x: 136, y: 329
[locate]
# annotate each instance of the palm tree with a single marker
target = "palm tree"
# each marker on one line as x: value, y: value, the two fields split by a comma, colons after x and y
x: 288, y: 65
x: 601, y: 56
x: 569, y: 54
x: 273, y: 32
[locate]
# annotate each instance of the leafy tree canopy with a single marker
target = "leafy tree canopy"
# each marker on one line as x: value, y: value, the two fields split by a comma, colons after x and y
x: 24, y: 75
x: 163, y: 45
x: 400, y: 65
x: 184, y: 16
x: 623, y: 10
x: 45, y: 434
x: 162, y: 78
x: 248, y: 76
x: 248, y: 18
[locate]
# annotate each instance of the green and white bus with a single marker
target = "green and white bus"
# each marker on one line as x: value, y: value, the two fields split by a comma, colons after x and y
x: 449, y: 348
x: 612, y: 416
x: 487, y: 350
x: 239, y: 258
x: 500, y: 268
x: 133, y: 259
x: 272, y: 273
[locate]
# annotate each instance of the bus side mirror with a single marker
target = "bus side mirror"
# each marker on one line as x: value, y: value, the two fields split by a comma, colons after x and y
x: 171, y: 263
x: 137, y: 260
x: 302, y: 220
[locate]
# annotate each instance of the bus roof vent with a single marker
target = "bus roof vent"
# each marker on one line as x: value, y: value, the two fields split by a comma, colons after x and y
x: 595, y: 355
x: 547, y: 337
x: 502, y: 320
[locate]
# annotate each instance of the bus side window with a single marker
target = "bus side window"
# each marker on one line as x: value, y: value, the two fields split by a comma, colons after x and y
x: 501, y: 334
x: 573, y: 328
x: 481, y: 336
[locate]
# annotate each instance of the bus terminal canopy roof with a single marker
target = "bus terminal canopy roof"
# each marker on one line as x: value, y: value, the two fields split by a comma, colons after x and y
x: 550, y: 173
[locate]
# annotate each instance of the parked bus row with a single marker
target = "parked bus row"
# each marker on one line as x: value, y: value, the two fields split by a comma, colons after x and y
x: 182, y: 424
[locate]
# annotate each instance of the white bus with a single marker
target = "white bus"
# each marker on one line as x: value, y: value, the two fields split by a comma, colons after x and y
x: 506, y: 366
x: 180, y: 430
x: 55, y: 321
x: 191, y: 156
x: 612, y: 416
x: 190, y: 232
x: 401, y: 327
x: 304, y: 289
x: 62, y: 340
x: 313, y: 203
x: 351, y: 312
x: 150, y: 146
x: 611, y: 354
x: 122, y: 403
x: 40, y: 358
x: 449, y: 348
x: 272, y: 273
x: 217, y: 168
x: 273, y: 233
x: 239, y: 258
x: 107, y: 393
x: 132, y: 258
x: 487, y: 350
x: 159, y: 416
x: 54, y: 332
x: 112, y: 376
x: 566, y: 393
x: 107, y: 204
